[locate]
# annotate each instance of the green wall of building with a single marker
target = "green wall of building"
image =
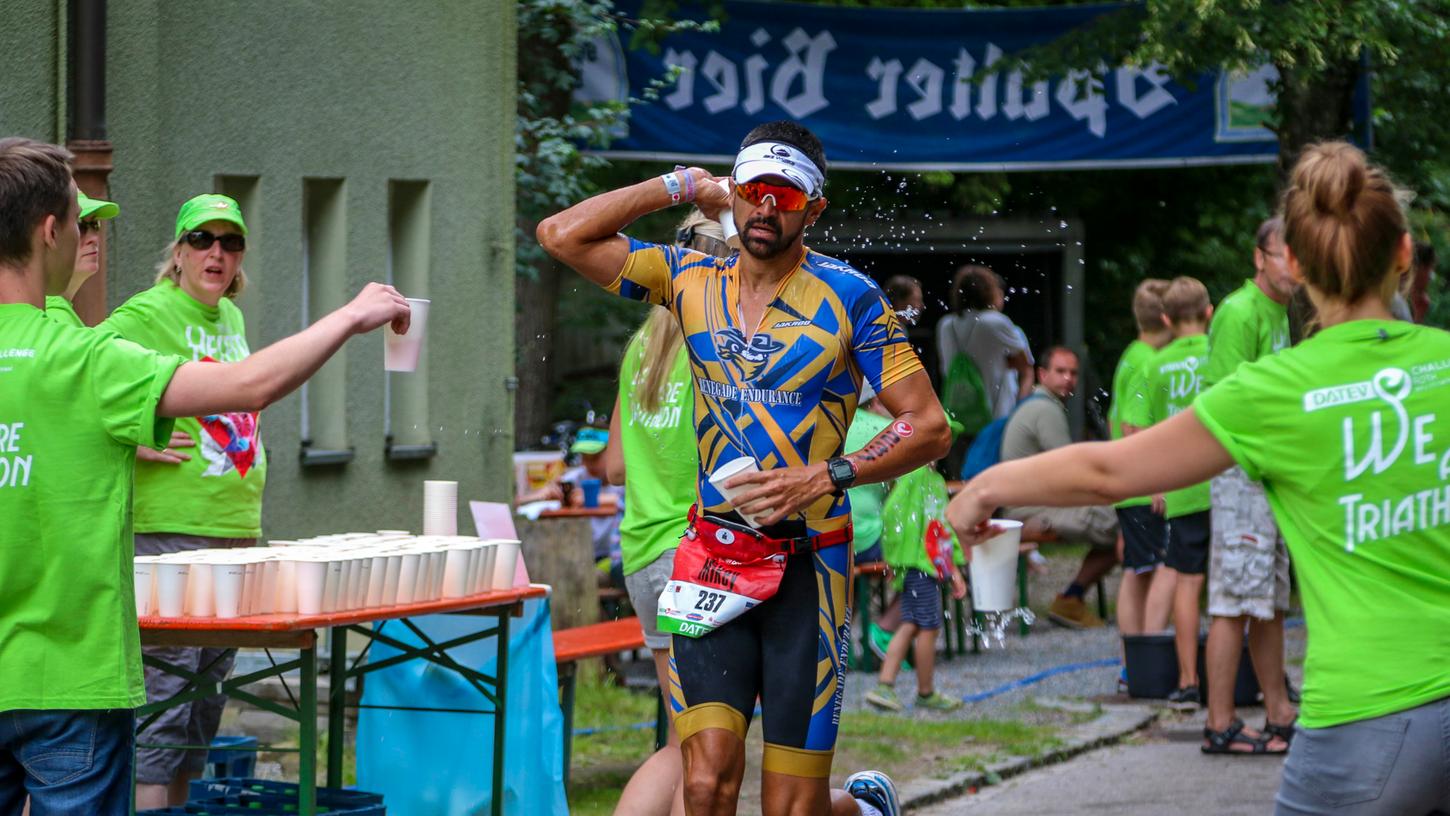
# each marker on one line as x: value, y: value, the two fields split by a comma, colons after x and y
x: 366, y: 140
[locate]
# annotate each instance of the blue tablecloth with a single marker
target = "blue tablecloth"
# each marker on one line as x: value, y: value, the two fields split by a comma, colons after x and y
x: 437, y: 764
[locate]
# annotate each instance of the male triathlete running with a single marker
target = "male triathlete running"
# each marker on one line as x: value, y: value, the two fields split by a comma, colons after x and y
x: 780, y: 339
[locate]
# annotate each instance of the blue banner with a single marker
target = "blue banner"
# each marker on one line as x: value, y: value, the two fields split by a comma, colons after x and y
x: 917, y: 90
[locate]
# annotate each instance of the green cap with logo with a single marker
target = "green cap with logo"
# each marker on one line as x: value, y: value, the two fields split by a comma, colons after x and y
x: 96, y: 208
x: 208, y: 207
x: 590, y: 440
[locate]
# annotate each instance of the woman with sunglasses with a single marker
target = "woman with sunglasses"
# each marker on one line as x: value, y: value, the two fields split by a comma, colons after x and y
x: 187, y: 502
x: 88, y: 258
x: 1349, y: 433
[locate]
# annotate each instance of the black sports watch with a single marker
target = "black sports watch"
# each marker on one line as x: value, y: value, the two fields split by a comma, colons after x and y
x: 842, y: 473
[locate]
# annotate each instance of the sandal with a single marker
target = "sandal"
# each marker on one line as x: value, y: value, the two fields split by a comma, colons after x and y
x: 1284, y: 732
x: 1223, y: 742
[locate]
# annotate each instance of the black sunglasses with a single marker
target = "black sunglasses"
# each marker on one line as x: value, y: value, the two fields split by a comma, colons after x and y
x: 202, y: 240
x: 88, y: 224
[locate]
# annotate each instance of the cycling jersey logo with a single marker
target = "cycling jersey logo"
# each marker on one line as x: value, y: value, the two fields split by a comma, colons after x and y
x: 752, y: 356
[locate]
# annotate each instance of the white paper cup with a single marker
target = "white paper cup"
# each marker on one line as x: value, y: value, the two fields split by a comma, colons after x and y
x: 728, y: 471
x: 505, y: 558
x: 269, y: 568
x: 227, y: 580
x: 334, y: 587
x: 407, y: 577
x: 483, y: 573
x: 311, y: 585
x: 199, y: 589
x: 390, y: 579
x: 171, y: 581
x: 144, y: 574
x: 376, y: 579
x: 994, y: 569
x: 286, y: 586
x: 401, y: 351
x: 455, y: 571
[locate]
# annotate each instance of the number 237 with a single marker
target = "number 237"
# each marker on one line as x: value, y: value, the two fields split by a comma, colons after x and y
x: 709, y: 601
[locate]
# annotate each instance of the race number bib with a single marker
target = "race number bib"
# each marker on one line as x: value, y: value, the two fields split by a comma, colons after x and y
x: 718, y: 576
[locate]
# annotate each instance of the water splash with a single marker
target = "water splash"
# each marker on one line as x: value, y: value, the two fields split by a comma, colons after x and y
x: 992, y: 626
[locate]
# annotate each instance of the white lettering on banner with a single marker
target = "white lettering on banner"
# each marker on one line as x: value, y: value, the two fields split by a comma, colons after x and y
x: 14, y: 470
x: 797, y: 85
x: 226, y: 348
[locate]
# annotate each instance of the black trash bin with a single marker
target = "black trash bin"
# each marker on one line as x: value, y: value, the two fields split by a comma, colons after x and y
x: 1152, y: 668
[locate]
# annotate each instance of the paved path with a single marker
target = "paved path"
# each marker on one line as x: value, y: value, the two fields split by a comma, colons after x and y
x: 1161, y: 772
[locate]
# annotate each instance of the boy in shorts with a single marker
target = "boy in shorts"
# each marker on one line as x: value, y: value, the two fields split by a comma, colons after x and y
x: 1171, y: 382
x: 918, y: 499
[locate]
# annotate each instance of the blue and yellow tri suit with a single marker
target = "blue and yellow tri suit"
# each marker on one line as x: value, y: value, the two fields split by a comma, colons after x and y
x: 784, y: 393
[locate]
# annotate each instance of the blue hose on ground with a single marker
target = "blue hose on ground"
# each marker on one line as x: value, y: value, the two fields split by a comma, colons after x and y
x: 1024, y: 682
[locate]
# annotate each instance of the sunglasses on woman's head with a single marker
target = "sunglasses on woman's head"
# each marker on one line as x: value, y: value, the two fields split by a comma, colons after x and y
x: 787, y: 199
x: 202, y: 240
x: 88, y: 225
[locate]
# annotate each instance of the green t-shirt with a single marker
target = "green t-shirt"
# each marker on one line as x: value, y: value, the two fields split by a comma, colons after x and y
x: 661, y: 461
x: 1128, y: 384
x: 218, y: 492
x: 59, y: 309
x: 1246, y: 326
x: 865, y: 499
x: 74, y: 405
x: 915, y: 499
x: 1350, y: 434
x: 1171, y: 380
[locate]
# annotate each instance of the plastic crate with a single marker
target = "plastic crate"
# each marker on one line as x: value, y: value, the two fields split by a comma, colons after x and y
x: 232, y: 757
x: 265, y: 797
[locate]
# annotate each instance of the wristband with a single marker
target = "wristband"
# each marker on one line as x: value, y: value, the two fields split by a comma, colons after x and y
x: 689, y: 185
x: 672, y: 186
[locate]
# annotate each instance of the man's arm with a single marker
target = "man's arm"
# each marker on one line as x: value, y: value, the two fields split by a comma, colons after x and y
x: 1026, y: 377
x: 199, y: 389
x: 586, y: 236
x: 919, y: 435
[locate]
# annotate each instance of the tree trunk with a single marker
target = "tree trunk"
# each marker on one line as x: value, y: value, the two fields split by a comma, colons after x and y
x: 1314, y: 105
x: 534, y: 324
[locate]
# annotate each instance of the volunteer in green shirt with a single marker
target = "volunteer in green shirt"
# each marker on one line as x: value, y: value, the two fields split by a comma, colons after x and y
x: 1349, y: 434
x: 1248, y: 571
x: 211, y: 498
x: 88, y: 258
x: 1146, y: 592
x: 652, y: 439
x: 1171, y: 380
x: 74, y: 406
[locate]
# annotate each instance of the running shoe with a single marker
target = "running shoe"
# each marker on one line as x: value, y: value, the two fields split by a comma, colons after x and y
x: 874, y: 788
x: 884, y: 697
x: 936, y: 701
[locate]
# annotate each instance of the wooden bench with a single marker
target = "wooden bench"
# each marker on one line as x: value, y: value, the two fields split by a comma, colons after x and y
x: 597, y: 640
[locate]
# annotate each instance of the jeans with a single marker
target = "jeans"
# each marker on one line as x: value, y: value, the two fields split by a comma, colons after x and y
x: 69, y: 762
x: 1394, y: 765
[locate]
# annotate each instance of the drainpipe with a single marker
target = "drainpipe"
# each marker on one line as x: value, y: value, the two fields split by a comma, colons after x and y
x: 86, y: 129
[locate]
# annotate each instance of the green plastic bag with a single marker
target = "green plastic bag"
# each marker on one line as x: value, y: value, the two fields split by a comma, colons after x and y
x: 964, y: 396
x: 914, y: 501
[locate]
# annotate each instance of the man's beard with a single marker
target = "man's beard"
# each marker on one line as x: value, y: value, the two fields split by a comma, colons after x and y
x: 767, y: 249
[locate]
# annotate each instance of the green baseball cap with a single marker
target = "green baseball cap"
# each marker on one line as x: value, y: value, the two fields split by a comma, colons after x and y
x: 208, y: 207
x: 590, y: 440
x: 96, y: 208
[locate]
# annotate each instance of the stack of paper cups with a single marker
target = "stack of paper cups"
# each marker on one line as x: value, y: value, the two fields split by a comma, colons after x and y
x: 440, y: 508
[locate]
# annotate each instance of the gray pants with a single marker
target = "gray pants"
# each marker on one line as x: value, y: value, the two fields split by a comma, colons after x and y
x: 1096, y: 526
x: 194, y: 723
x: 1395, y: 765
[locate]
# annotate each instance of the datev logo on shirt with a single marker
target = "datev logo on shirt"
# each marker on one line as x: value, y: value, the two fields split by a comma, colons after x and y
x: 752, y: 356
x: 1425, y: 509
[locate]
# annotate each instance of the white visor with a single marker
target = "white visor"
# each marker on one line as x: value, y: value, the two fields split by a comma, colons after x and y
x: 779, y: 159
